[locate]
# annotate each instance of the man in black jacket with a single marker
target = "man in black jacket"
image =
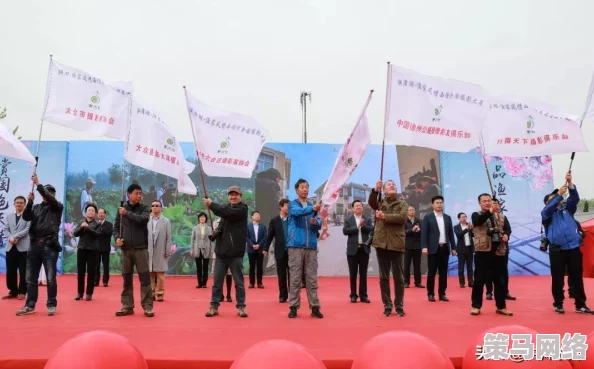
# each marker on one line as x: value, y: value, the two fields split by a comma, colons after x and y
x: 45, y: 248
x: 131, y: 234
x: 278, y: 231
x: 412, y: 229
x: 231, y: 239
x: 104, y: 248
x: 465, y: 250
x: 357, y: 228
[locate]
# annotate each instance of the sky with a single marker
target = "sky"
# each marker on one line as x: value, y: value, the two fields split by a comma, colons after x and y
x: 256, y: 57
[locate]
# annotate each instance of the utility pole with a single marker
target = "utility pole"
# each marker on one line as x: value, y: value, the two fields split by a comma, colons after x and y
x: 303, y: 98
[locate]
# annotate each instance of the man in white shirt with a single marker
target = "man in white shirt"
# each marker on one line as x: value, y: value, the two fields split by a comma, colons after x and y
x: 357, y: 228
x: 437, y: 241
x: 465, y: 250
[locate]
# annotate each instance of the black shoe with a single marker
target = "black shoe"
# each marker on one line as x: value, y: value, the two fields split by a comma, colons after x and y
x: 559, y: 309
x: 89, y: 297
x: 489, y: 296
x: 387, y: 311
x: 198, y: 286
x: 353, y: 299
x: 510, y: 297
x: 251, y: 286
x: 292, y: 312
x: 406, y: 285
x: 282, y: 300
x: 400, y: 312
x: 260, y: 285
x: 105, y: 284
x: 462, y: 285
x: 584, y: 310
x: 78, y: 297
x: 431, y: 298
x: 470, y: 284
x: 419, y: 286
x: 315, y: 312
x: 96, y: 284
x: 365, y: 300
x: 229, y: 299
x: 443, y: 298
x: 124, y: 312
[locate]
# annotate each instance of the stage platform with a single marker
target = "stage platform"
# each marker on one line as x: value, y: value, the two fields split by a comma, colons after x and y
x: 181, y: 337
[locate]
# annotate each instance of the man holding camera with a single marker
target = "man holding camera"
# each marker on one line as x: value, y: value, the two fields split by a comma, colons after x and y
x: 489, y: 258
x: 563, y: 241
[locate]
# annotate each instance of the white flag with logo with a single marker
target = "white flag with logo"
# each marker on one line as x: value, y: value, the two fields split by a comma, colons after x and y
x: 227, y: 143
x: 12, y: 147
x: 78, y: 100
x: 517, y: 127
x: 153, y: 146
x: 348, y: 158
x: 433, y: 112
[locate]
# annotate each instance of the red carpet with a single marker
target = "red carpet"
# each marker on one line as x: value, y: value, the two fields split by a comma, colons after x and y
x: 180, y: 337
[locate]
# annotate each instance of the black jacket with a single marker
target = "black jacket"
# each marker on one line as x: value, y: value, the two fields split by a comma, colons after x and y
x: 45, y: 219
x: 351, y: 230
x: 231, y: 234
x: 134, y: 229
x: 88, y: 237
x: 413, y: 239
x: 276, y: 233
x: 462, y: 248
x: 105, y: 236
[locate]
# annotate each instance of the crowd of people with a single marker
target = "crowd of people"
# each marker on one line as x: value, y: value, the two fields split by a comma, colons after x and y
x: 399, y: 238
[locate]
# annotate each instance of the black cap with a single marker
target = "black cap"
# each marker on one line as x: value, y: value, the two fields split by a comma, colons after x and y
x: 546, y: 198
x: 50, y: 188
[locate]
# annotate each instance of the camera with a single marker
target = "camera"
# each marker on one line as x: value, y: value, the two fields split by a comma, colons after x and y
x: 544, y: 243
x: 492, y: 231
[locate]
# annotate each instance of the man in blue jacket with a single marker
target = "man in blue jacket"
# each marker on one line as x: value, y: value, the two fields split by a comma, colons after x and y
x: 564, y: 245
x: 302, y: 245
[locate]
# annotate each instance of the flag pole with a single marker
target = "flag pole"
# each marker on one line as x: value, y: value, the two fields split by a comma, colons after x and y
x: 47, y: 89
x: 588, y: 103
x: 122, y: 193
x: 486, y: 166
x: 199, y: 163
x: 386, y: 117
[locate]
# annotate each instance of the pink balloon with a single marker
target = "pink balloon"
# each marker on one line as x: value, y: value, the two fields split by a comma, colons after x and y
x: 97, y: 350
x: 471, y: 360
x: 589, y: 362
x: 401, y: 349
x: 276, y: 354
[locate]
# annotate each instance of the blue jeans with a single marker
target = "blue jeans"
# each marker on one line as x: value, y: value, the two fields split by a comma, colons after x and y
x: 220, y: 271
x: 37, y: 256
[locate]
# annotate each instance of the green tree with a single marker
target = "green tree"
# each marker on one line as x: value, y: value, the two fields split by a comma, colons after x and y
x: 586, y: 206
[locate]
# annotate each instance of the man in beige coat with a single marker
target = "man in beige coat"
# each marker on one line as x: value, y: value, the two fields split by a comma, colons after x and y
x: 159, y: 247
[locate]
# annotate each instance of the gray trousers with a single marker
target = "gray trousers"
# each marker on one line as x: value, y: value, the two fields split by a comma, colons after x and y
x: 391, y: 261
x: 303, y: 260
x: 138, y: 258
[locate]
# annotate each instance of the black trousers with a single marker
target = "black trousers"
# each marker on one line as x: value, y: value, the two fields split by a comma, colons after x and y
x: 488, y: 265
x: 489, y: 283
x: 465, y: 260
x: 256, y: 267
x: 358, y: 265
x: 391, y: 261
x: 202, y: 270
x: 102, y: 258
x: 438, y: 263
x: 16, y: 261
x: 570, y: 260
x: 228, y: 284
x: 282, y: 271
x: 413, y: 256
x: 86, y: 263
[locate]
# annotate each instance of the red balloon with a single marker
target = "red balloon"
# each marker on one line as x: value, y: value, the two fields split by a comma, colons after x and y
x: 589, y: 362
x: 274, y: 354
x: 97, y: 350
x: 401, y: 349
x: 471, y: 360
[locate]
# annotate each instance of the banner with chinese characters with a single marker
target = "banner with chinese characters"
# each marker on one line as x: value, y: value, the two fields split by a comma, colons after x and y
x: 80, y: 101
x: 11, y: 147
x: 348, y: 158
x: 519, y: 128
x: 227, y: 143
x: 433, y: 112
x: 153, y: 146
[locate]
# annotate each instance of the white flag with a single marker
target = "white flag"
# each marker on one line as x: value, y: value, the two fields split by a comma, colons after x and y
x: 153, y: 146
x: 227, y: 143
x: 11, y: 147
x: 433, y: 112
x: 516, y: 127
x: 348, y: 158
x: 78, y: 100
x: 589, y: 112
